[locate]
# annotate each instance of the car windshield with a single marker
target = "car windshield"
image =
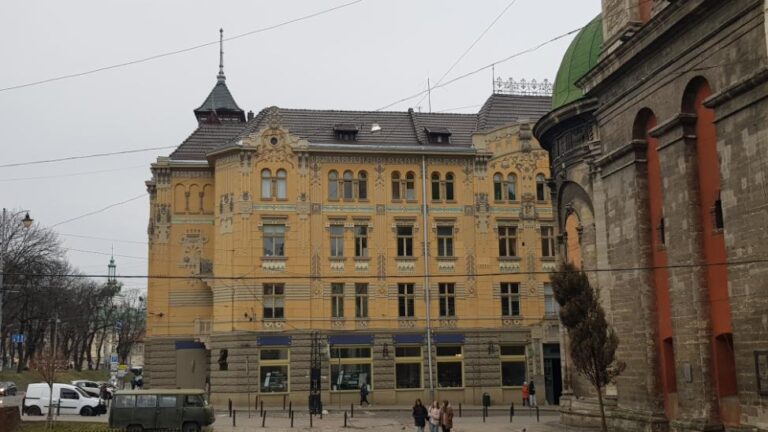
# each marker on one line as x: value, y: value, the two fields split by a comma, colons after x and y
x: 82, y: 393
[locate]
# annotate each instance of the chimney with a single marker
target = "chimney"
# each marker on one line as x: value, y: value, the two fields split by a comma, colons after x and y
x: 250, y: 115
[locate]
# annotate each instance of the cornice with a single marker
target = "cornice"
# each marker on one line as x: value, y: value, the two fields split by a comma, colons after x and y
x: 737, y: 89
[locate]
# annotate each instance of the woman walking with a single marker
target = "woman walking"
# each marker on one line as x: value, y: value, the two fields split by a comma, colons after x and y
x: 446, y: 416
x: 419, y: 415
x: 434, y: 417
x: 525, y: 393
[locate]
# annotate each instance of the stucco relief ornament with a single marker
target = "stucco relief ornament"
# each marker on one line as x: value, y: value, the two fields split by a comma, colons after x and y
x: 379, y: 174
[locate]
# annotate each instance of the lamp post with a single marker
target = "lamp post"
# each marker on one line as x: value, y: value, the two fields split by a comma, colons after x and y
x: 27, y: 222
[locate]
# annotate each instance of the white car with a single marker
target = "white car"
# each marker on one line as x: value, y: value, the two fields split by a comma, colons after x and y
x: 67, y: 399
x: 91, y: 387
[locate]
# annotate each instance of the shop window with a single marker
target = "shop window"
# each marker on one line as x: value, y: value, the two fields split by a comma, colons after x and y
x: 447, y: 293
x: 274, y: 240
x: 510, y: 299
x: 512, y: 365
x: 337, y: 300
x: 408, y: 364
x: 405, y: 300
x: 274, y: 301
x: 273, y: 370
x: 350, y: 368
x: 450, y: 362
x: 361, y: 300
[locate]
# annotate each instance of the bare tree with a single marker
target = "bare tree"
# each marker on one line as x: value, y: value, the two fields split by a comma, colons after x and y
x: 593, y: 341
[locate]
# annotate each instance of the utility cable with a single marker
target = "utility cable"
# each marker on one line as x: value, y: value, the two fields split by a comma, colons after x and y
x: 99, y: 211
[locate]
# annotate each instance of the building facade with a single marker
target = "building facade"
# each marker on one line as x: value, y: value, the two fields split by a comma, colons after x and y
x: 655, y: 137
x: 404, y: 250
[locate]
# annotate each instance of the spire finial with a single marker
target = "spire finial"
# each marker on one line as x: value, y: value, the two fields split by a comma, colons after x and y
x: 221, y: 76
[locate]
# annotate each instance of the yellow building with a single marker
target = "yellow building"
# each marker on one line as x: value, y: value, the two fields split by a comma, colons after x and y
x: 295, y: 239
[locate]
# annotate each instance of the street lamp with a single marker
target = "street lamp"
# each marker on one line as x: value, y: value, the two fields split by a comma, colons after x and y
x: 27, y: 222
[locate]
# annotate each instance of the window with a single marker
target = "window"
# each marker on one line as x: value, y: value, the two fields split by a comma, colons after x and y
x: 362, y: 185
x: 662, y: 231
x: 547, y: 242
x: 511, y: 187
x: 274, y: 301
x: 146, y: 401
x: 166, y: 401
x: 337, y: 300
x: 348, y: 188
x: 435, y: 186
x: 194, y: 401
x: 405, y: 241
x: 337, y: 241
x: 125, y: 401
x: 717, y: 211
x: 410, y: 186
x: 512, y: 365
x: 282, y: 184
x: 333, y: 185
x: 507, y: 241
x: 405, y: 300
x: 540, y: 187
x: 361, y: 241
x: 69, y: 394
x: 350, y: 368
x: 408, y: 362
x: 551, y: 307
x: 266, y: 184
x: 449, y: 187
x: 395, y: 185
x: 447, y: 299
x: 274, y: 240
x: 449, y: 366
x: 273, y: 370
x: 497, y: 187
x: 444, y: 241
x: 510, y: 299
x: 361, y: 300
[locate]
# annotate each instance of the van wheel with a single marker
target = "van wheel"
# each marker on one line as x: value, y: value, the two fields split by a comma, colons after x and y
x: 34, y: 411
x: 190, y: 427
x: 134, y: 428
x: 86, y: 411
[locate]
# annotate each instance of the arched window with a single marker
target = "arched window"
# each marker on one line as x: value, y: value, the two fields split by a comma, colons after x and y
x: 395, y: 185
x: 348, y: 190
x: 362, y: 185
x: 435, y: 186
x: 333, y: 185
x: 497, y: 187
x: 410, y: 186
x: 512, y: 187
x: 282, y: 184
x: 540, y: 187
x: 266, y: 184
x: 449, y: 187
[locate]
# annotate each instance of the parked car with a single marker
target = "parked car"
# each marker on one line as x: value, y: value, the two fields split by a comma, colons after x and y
x: 7, y: 388
x: 184, y: 409
x: 67, y: 399
x: 91, y: 387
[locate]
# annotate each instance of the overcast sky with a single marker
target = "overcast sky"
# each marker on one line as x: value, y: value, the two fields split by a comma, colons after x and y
x: 364, y: 56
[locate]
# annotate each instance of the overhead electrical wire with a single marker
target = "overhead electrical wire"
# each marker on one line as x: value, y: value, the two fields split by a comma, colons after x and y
x: 98, y: 211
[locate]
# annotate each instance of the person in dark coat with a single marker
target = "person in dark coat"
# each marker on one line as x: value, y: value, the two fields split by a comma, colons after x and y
x: 419, y: 415
x: 532, y: 394
x: 364, y: 394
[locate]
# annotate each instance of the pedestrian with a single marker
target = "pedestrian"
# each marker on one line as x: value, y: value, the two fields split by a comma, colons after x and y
x: 419, y: 415
x: 434, y: 417
x: 525, y: 393
x: 532, y: 394
x: 364, y: 394
x: 446, y: 416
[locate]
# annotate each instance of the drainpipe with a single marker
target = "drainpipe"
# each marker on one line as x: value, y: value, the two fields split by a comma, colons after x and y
x: 427, y: 297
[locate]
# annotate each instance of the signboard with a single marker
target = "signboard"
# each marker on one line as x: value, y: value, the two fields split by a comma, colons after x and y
x: 17, y: 338
x: 122, y: 370
x: 113, y: 363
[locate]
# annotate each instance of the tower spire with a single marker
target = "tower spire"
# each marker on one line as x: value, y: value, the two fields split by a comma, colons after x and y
x: 220, y: 77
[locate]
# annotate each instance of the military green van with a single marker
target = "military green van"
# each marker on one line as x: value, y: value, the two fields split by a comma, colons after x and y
x: 138, y: 410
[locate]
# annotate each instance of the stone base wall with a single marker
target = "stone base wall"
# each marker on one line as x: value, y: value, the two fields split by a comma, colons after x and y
x: 159, y: 363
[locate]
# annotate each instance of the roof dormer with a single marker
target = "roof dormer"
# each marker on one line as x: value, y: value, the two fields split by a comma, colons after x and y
x: 345, y: 132
x: 438, y: 135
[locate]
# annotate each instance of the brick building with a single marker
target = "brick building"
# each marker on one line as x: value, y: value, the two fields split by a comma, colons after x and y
x: 658, y: 171
x: 267, y: 228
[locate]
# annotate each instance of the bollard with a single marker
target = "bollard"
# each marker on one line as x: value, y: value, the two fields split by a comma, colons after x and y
x: 263, y: 418
x: 459, y: 410
x: 256, y: 403
x: 345, y: 419
x: 537, y: 413
x: 513, y: 409
x: 291, y: 414
x: 321, y: 414
x: 261, y: 406
x: 483, y: 414
x: 284, y: 402
x: 351, y: 410
x: 290, y: 406
x: 58, y: 408
x: 230, y: 407
x: 234, y: 418
x: 511, y: 414
x: 310, y: 419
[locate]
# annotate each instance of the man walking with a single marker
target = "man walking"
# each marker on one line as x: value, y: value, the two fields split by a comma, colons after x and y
x: 364, y: 394
x: 532, y: 394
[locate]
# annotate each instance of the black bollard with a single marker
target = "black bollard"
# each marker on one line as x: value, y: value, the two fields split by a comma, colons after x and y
x: 537, y: 413
x: 345, y: 419
x: 290, y: 406
x: 459, y: 410
x: 511, y: 414
x: 230, y: 407
x: 483, y: 414
x: 284, y: 402
x: 351, y: 410
x: 58, y: 408
x: 234, y: 418
x: 321, y: 414
x: 291, y: 414
x: 512, y: 409
x: 261, y: 406
x: 310, y: 419
x: 263, y: 418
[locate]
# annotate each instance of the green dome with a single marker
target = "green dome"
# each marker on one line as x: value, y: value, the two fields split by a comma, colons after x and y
x: 580, y: 57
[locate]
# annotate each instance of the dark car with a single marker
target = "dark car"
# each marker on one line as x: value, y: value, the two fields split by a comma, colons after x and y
x: 7, y: 388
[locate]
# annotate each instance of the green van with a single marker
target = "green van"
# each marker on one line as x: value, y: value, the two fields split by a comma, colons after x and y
x: 183, y: 409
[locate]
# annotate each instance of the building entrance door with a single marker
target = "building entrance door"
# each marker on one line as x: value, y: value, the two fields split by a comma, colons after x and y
x: 553, y: 382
